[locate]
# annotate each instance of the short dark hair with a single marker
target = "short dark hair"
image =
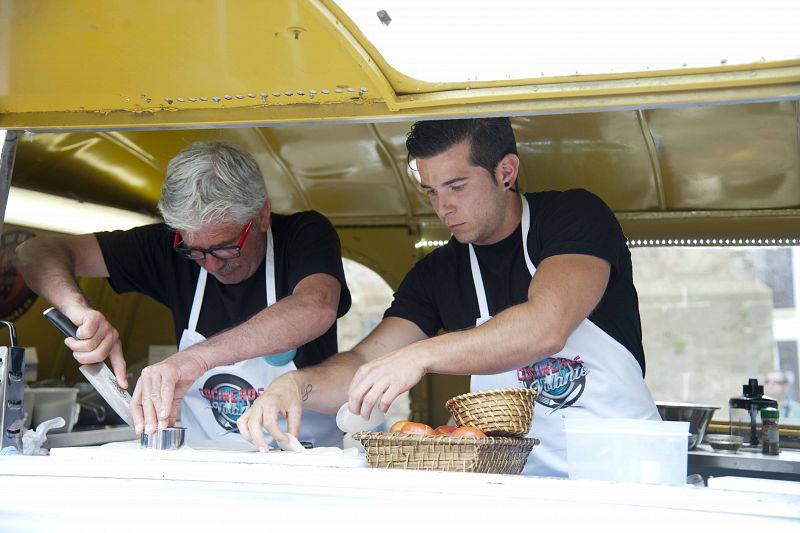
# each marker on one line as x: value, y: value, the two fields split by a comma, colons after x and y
x: 491, y: 139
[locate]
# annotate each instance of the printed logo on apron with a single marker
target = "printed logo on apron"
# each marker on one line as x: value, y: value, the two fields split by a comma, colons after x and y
x: 558, y: 380
x: 229, y: 396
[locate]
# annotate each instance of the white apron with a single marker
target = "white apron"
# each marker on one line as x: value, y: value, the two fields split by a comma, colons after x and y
x: 593, y: 376
x: 216, y: 400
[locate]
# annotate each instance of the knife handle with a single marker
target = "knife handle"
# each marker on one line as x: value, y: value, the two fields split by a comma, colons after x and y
x: 60, y: 321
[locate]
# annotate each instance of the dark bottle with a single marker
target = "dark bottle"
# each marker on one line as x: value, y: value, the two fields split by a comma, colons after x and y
x: 744, y: 412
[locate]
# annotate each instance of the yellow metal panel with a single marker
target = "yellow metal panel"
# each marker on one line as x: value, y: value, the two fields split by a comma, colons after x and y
x: 606, y: 153
x: 91, y: 64
x: 147, y: 56
x: 729, y: 157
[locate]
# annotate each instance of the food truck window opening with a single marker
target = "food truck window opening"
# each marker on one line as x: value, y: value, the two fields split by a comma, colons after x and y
x: 715, y: 313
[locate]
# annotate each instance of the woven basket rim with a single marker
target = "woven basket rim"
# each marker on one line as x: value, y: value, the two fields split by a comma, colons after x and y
x: 443, y: 439
x: 492, y: 392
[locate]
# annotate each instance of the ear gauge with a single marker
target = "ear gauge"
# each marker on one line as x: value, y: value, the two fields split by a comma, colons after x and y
x: 505, y: 184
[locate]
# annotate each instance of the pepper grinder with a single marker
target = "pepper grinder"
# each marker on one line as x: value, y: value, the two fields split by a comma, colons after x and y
x: 744, y: 411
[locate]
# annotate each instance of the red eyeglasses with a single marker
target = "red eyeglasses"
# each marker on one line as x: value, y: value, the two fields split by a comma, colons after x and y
x: 220, y: 252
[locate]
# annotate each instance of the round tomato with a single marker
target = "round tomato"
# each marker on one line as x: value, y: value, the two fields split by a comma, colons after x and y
x: 397, y: 427
x: 468, y: 431
x: 417, y: 428
x: 444, y: 430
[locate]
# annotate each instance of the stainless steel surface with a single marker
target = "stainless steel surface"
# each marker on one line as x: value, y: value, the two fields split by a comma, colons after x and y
x: 783, y: 466
x: 163, y: 439
x: 698, y: 417
x: 12, y: 390
x: 90, y: 437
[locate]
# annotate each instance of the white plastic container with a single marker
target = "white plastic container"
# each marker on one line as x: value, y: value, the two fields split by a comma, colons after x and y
x: 616, y: 449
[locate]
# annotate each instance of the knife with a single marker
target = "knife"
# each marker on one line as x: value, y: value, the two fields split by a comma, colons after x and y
x: 97, y: 374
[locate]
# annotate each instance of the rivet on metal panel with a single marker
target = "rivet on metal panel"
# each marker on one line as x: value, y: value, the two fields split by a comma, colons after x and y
x: 204, y: 98
x: 192, y: 99
x: 338, y: 90
x: 168, y: 100
x: 362, y: 91
x: 264, y: 97
x: 251, y: 95
x: 312, y: 93
x: 325, y: 91
x: 351, y: 89
x: 301, y: 93
x: 384, y: 17
x: 145, y: 98
x: 288, y: 93
x: 181, y: 99
x: 239, y: 97
x: 276, y: 94
x: 228, y: 97
x: 216, y: 99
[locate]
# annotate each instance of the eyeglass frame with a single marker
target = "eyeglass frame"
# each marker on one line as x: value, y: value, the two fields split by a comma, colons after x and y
x: 185, y: 251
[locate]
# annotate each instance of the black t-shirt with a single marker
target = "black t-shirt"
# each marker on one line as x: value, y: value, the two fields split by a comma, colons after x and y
x: 305, y: 243
x: 438, y: 293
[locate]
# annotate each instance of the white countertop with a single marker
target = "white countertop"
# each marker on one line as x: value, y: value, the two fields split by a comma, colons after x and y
x: 123, y: 488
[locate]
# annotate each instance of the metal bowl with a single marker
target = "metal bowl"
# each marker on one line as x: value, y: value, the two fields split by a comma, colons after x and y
x: 698, y: 417
x: 163, y: 439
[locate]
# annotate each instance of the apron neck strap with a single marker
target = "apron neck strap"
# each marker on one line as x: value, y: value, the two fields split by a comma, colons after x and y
x: 477, y: 279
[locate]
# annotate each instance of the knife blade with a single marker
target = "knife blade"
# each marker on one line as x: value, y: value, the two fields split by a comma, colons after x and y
x: 97, y: 374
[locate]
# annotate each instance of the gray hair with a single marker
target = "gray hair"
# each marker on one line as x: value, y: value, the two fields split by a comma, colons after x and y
x: 211, y: 183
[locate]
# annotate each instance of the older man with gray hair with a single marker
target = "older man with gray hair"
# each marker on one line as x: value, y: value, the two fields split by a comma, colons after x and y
x: 253, y: 294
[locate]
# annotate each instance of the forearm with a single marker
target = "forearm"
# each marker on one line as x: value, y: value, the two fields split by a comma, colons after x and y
x: 323, y: 387
x: 506, y: 342
x: 288, y: 324
x: 563, y: 293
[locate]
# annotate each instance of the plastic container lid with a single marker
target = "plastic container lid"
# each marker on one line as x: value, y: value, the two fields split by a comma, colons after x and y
x: 770, y: 412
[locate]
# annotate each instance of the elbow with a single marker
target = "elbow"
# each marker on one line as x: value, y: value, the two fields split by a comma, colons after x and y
x: 553, y: 344
x: 22, y: 256
x: 326, y: 316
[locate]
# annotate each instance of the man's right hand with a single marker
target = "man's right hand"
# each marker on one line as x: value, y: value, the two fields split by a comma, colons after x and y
x: 283, y: 398
x: 97, y: 340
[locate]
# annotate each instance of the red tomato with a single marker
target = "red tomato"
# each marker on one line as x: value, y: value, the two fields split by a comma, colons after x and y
x: 397, y: 427
x: 417, y: 428
x: 444, y: 430
x: 468, y: 431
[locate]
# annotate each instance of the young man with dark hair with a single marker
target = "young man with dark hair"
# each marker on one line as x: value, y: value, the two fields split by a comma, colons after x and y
x: 533, y: 290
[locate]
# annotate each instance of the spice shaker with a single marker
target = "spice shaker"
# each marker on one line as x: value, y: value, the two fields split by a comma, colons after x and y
x: 744, y: 412
x: 770, y: 433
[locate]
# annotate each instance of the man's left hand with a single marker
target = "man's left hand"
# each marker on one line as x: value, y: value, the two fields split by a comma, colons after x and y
x: 160, y: 389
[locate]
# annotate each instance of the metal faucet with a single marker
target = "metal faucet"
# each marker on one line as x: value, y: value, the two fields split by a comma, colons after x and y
x: 12, y: 390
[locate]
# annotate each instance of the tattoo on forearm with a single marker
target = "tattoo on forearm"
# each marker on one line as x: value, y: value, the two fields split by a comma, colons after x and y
x: 307, y: 392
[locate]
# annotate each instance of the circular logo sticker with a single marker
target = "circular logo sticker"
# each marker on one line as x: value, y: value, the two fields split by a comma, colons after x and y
x: 229, y: 396
x: 15, y: 296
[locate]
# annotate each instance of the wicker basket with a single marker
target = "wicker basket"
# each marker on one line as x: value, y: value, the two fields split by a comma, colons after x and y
x: 492, y: 455
x: 499, y: 412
